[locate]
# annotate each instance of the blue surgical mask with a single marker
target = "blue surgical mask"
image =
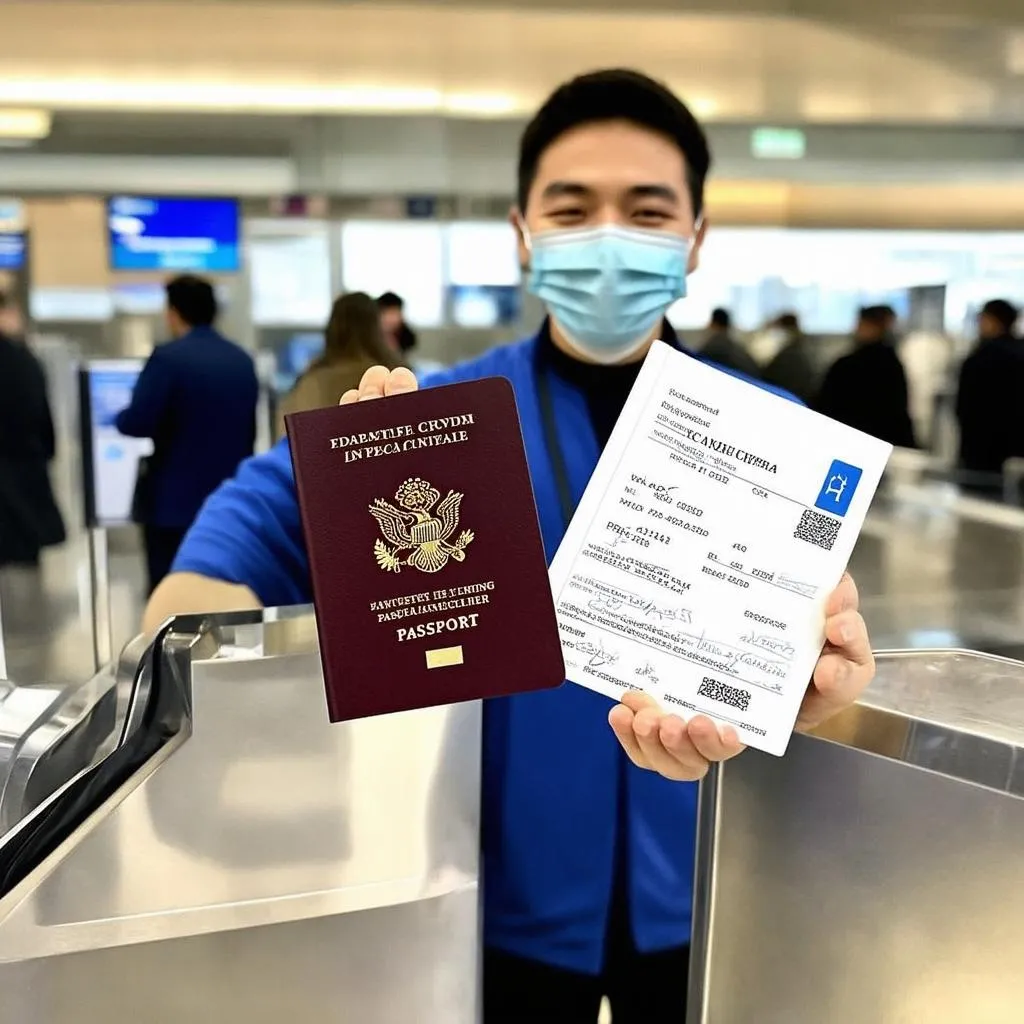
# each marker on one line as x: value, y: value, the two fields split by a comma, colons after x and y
x: 607, y: 287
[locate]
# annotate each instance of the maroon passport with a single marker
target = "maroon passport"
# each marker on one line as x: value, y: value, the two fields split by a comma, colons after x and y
x: 429, y: 577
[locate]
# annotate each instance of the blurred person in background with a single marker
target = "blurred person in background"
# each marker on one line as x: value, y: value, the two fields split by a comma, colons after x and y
x: 589, y: 843
x: 891, y: 322
x: 196, y: 400
x: 29, y: 517
x: 722, y: 348
x: 400, y: 337
x: 397, y: 333
x: 792, y: 368
x: 353, y: 342
x: 867, y: 388
x: 990, y: 396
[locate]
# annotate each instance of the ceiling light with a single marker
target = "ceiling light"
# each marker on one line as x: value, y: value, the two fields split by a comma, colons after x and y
x: 704, y: 107
x: 1015, y: 53
x: 472, y: 104
x: 269, y: 97
x: 24, y: 125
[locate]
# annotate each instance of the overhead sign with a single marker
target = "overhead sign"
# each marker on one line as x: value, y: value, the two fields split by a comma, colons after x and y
x: 778, y: 143
x: 421, y: 207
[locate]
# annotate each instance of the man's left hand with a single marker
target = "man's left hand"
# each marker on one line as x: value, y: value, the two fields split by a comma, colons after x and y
x: 685, y: 750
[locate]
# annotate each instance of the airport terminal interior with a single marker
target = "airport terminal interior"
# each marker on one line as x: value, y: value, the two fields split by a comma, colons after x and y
x: 184, y: 836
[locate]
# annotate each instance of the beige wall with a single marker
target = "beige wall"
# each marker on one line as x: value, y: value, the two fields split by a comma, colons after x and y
x: 68, y: 242
x: 975, y: 206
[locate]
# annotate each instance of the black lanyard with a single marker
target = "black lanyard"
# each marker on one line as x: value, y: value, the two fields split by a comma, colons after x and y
x: 547, y: 416
x: 542, y: 385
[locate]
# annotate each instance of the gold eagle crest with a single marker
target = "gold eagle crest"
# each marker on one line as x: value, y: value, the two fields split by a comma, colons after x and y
x: 420, y: 535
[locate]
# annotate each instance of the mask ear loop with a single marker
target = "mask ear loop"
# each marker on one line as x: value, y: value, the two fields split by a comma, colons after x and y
x: 525, y: 232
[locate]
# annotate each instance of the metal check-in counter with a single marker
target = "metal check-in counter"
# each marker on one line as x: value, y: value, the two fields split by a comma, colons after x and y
x: 256, y: 863
x: 874, y: 874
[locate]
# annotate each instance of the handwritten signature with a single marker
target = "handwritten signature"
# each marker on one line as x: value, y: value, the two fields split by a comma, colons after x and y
x: 615, y: 607
x: 797, y: 586
x: 733, y: 658
x: 647, y: 672
x: 597, y: 654
x: 770, y: 644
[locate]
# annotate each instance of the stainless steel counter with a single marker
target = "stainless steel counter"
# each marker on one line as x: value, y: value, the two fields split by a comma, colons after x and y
x: 264, y: 864
x: 873, y: 875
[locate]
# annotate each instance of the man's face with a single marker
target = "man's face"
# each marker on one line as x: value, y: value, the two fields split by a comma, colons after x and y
x: 391, y: 319
x: 989, y: 326
x: 11, y: 322
x: 611, y: 172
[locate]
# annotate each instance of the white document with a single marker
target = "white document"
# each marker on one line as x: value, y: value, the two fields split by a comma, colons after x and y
x: 699, y: 562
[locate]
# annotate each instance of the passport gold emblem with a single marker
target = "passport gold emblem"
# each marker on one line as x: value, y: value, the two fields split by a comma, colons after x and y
x: 420, y: 534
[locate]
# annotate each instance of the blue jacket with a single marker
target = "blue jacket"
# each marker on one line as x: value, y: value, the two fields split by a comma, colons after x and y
x: 196, y: 398
x: 551, y: 763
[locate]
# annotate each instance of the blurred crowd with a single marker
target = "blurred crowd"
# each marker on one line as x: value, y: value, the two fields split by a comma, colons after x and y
x: 197, y: 397
x: 867, y: 386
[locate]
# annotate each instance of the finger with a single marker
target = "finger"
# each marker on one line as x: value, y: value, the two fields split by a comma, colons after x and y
x: 400, y: 381
x: 848, y: 634
x: 711, y: 742
x: 844, y: 598
x: 637, y: 700
x: 372, y: 384
x: 350, y: 397
x: 621, y: 720
x: 682, y: 762
x: 837, y: 684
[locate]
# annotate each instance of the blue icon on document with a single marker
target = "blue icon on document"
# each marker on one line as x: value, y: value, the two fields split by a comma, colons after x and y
x: 839, y: 488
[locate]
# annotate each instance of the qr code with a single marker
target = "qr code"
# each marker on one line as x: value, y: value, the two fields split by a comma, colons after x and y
x: 723, y: 693
x: 818, y: 528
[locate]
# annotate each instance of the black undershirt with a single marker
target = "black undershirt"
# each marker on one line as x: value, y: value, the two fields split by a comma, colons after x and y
x: 606, y: 389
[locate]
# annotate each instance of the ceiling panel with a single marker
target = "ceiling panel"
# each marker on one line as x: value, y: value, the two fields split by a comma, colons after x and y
x: 294, y: 57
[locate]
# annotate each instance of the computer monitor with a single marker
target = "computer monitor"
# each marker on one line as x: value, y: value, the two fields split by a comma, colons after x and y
x: 183, y: 235
x: 12, y: 251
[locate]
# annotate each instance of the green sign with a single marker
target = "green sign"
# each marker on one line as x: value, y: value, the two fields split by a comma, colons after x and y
x: 778, y: 144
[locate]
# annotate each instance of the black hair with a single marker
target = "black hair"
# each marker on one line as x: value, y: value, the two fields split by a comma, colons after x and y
x: 193, y: 299
x: 788, y: 322
x: 721, y: 318
x: 1006, y: 314
x: 389, y: 300
x: 615, y: 95
x: 879, y: 316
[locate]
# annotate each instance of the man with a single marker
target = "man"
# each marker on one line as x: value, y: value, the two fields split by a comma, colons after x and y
x: 29, y: 517
x: 398, y: 334
x: 196, y: 399
x: 791, y: 368
x: 722, y: 349
x: 589, y: 857
x: 990, y: 397
x: 867, y: 388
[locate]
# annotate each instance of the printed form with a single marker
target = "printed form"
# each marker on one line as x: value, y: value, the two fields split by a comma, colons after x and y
x: 700, y: 559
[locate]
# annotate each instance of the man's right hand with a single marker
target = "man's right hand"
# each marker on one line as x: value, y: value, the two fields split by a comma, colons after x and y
x: 380, y: 382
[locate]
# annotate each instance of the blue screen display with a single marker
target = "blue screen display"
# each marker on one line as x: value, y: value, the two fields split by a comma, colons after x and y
x: 293, y: 357
x: 185, y: 235
x: 110, y: 391
x: 12, y: 252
